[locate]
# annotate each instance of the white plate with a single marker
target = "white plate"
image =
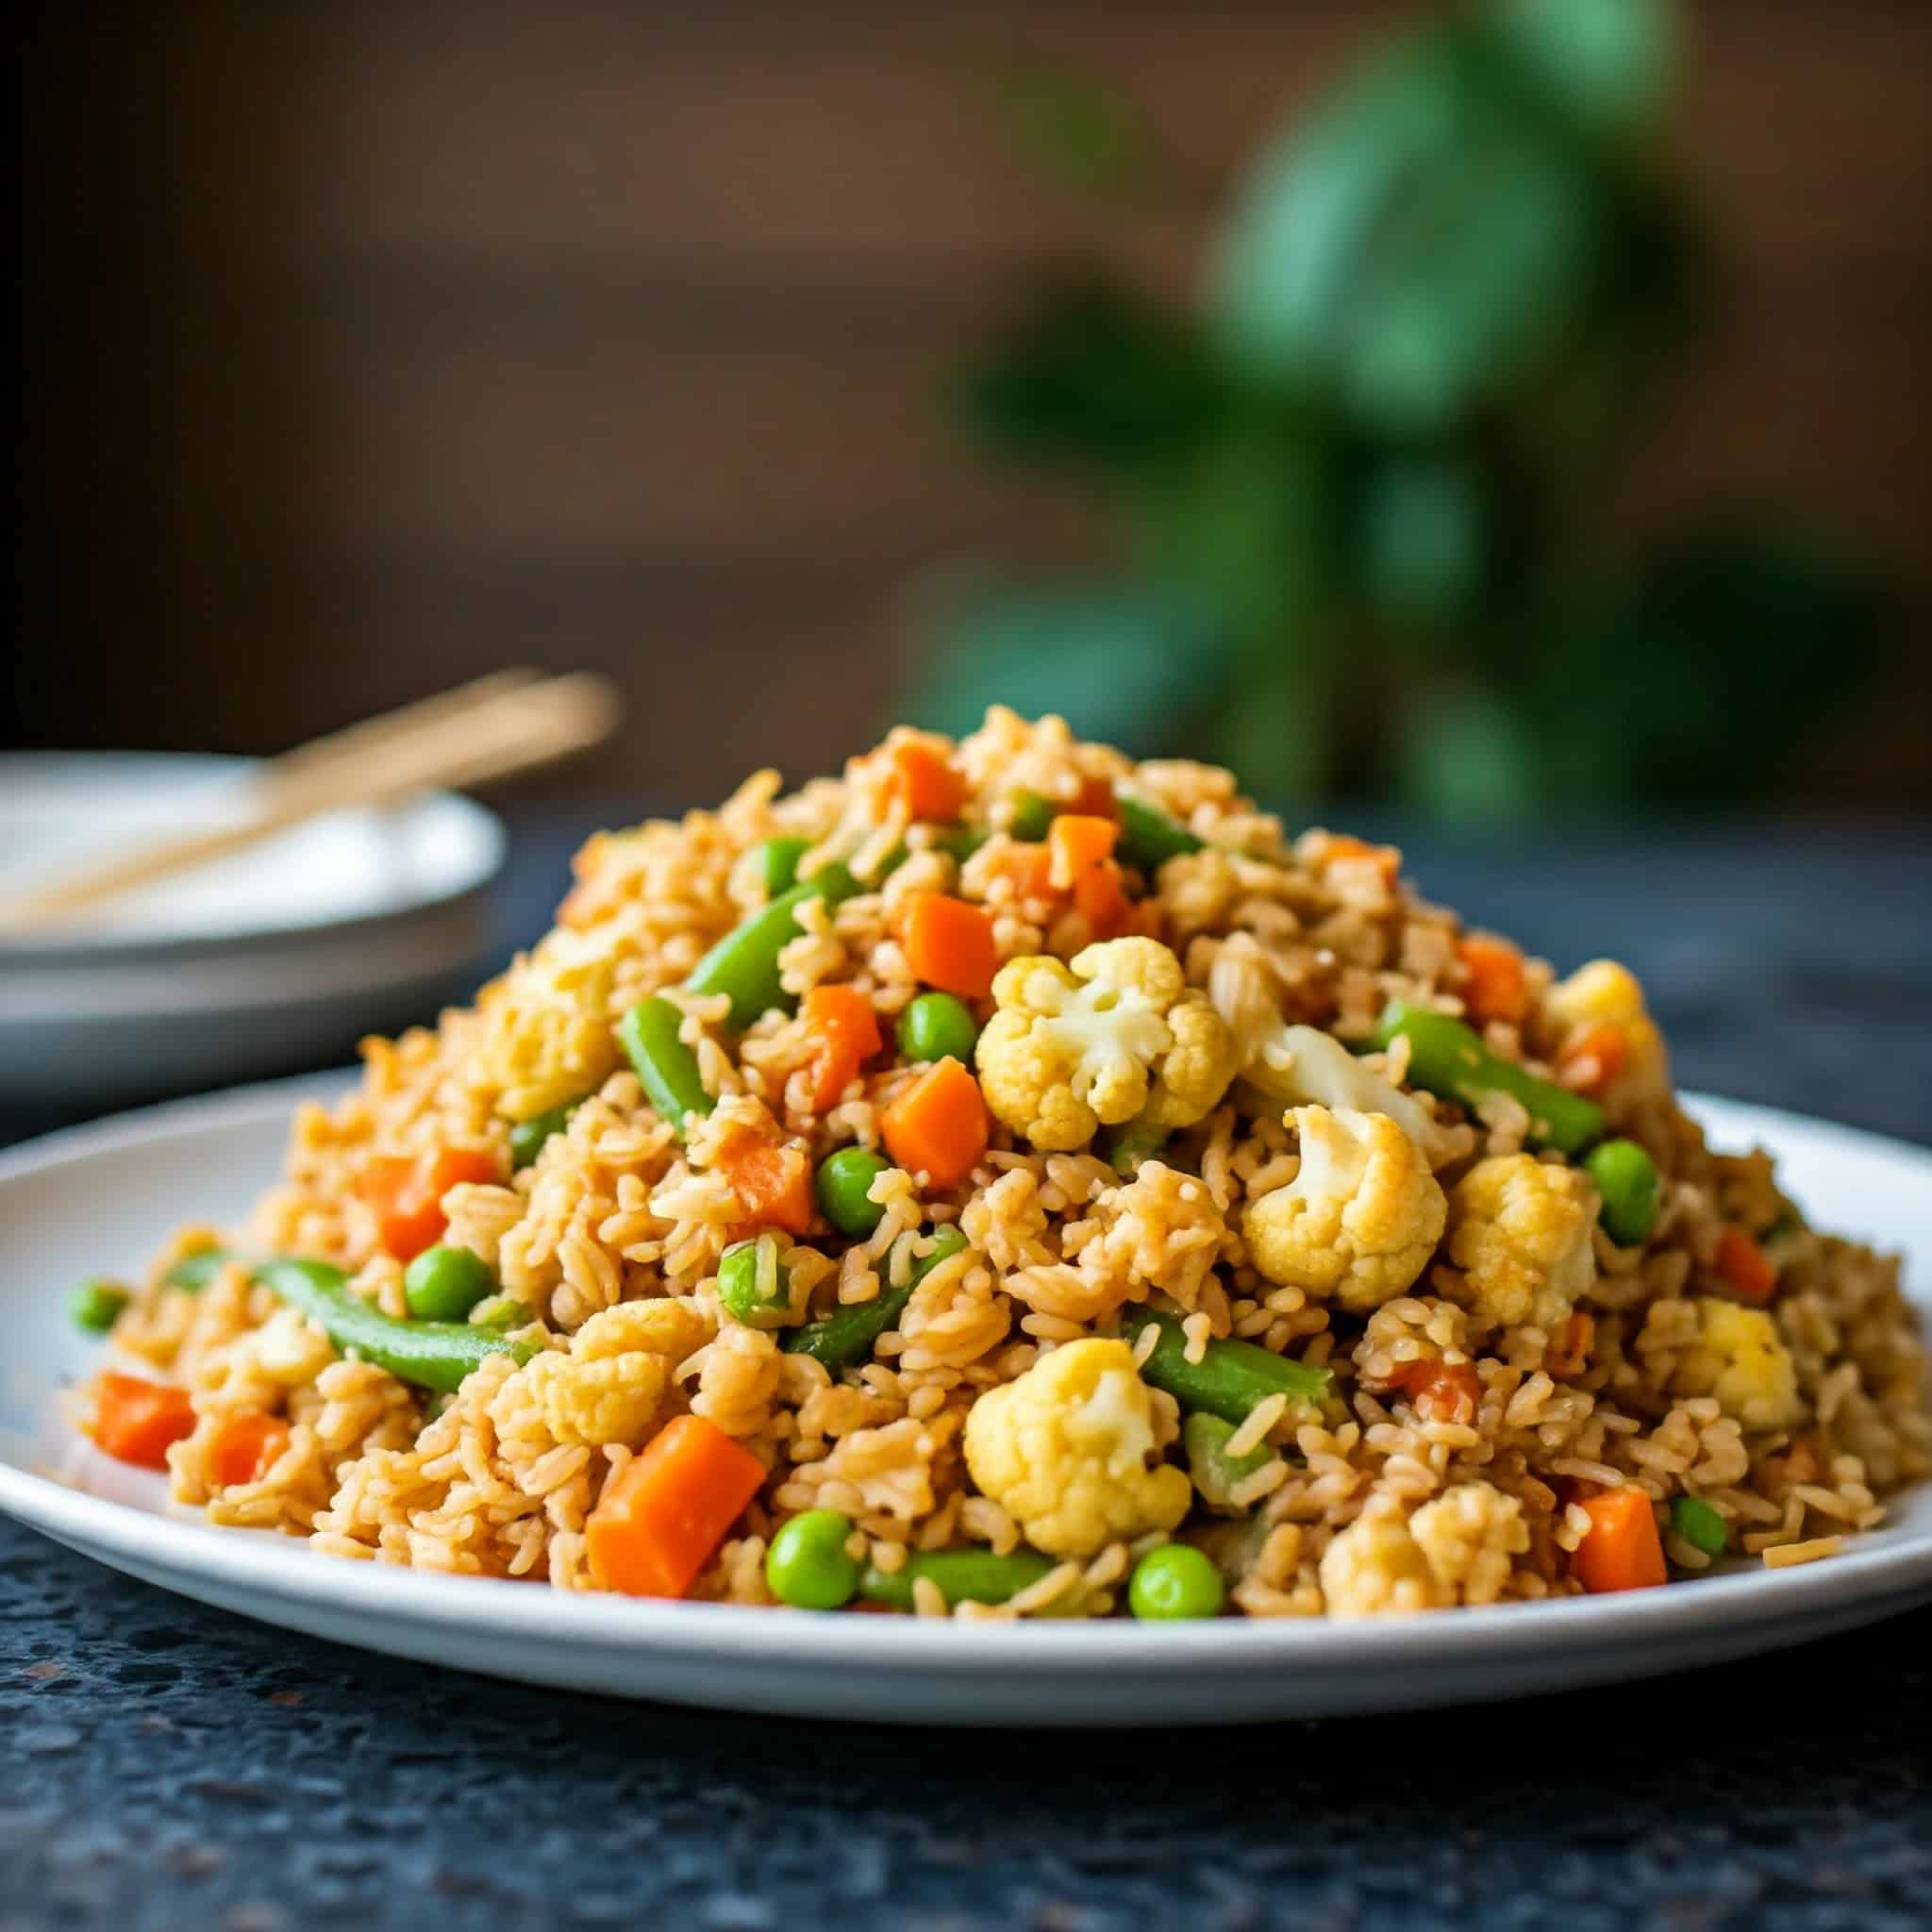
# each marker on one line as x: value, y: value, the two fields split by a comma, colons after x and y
x: 274, y: 957
x: 100, y: 1197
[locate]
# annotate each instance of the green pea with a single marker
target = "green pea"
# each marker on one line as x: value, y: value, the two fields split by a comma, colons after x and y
x: 1174, y: 1583
x: 754, y: 1284
x: 778, y: 863
x: 1032, y: 816
x: 808, y: 1565
x: 1699, y: 1525
x: 96, y: 1303
x: 936, y: 1026
x: 527, y: 1137
x: 444, y: 1283
x: 1627, y: 1179
x: 845, y: 1186
x: 959, y: 842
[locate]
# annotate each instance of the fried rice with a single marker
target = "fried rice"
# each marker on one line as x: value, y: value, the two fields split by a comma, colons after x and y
x: 1476, y: 1370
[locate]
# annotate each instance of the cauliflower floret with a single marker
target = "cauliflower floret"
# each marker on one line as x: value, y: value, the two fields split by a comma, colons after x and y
x: 1360, y: 1221
x: 1521, y: 1235
x: 1738, y: 1358
x: 610, y: 1400
x: 1603, y: 993
x: 1302, y: 1066
x: 1469, y: 1534
x: 1376, y: 1568
x: 1072, y: 1049
x: 1064, y: 1451
x: 660, y: 1326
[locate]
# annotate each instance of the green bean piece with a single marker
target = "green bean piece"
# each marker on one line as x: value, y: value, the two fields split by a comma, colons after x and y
x: 808, y: 1565
x: 963, y: 1576
x: 753, y: 1283
x: 845, y: 1337
x: 444, y: 1282
x: 778, y: 863
x: 527, y: 1137
x: 96, y: 1303
x: 667, y: 1067
x: 743, y: 965
x: 844, y: 1184
x: 1173, y: 1584
x: 1446, y: 1058
x: 936, y: 1026
x: 1215, y: 1472
x: 1230, y: 1377
x: 1626, y: 1179
x: 499, y: 1312
x: 1126, y: 1146
x: 1033, y: 815
x: 432, y: 1354
x: 959, y: 842
x: 1149, y: 837
x: 1699, y: 1525
x: 194, y: 1271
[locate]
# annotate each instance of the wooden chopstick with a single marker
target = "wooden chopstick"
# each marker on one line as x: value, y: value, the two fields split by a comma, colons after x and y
x: 509, y: 723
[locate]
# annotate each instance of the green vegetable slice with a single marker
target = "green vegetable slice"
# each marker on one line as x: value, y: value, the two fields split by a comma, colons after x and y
x: 963, y: 1576
x: 1230, y: 1377
x: 845, y: 1337
x: 743, y: 965
x: 666, y: 1067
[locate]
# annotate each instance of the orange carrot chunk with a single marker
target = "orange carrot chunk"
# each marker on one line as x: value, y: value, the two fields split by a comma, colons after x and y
x: 773, y: 1183
x: 1590, y: 1062
x: 925, y: 782
x: 938, y: 1124
x: 1096, y: 799
x: 1346, y: 845
x: 405, y: 1196
x: 1745, y: 1267
x: 1081, y: 862
x: 1568, y: 1353
x: 950, y: 944
x: 1621, y: 1549
x: 1442, y: 1392
x: 135, y: 1421
x: 1492, y: 981
x: 846, y: 1034
x: 664, y: 1514
x: 246, y: 1446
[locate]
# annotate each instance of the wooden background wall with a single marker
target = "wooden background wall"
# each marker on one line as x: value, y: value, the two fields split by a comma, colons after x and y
x: 365, y: 346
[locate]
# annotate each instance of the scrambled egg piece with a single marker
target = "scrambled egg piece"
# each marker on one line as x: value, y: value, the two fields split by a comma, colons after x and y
x: 1738, y: 1358
x: 1603, y: 993
x: 1376, y: 1568
x: 1119, y: 1034
x: 1064, y: 1451
x: 546, y: 1024
x: 1360, y: 1221
x: 1521, y: 1235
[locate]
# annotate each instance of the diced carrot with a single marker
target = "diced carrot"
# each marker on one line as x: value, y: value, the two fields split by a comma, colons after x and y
x: 1096, y: 799
x: 950, y: 944
x: 135, y: 1421
x: 1346, y: 845
x: 1590, y: 1062
x: 938, y: 1124
x: 1492, y: 983
x: 1027, y: 868
x: 245, y: 1447
x: 1082, y: 863
x: 1442, y: 1392
x: 773, y: 1183
x: 664, y: 1514
x: 1749, y: 1270
x: 1621, y: 1549
x: 928, y: 785
x: 405, y: 1196
x: 1567, y: 1355
x: 846, y: 1034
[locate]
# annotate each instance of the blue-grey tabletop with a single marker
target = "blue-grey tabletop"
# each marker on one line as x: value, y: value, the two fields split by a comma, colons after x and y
x: 163, y: 1765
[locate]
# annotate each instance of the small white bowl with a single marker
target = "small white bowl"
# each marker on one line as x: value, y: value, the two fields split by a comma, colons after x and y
x: 275, y: 957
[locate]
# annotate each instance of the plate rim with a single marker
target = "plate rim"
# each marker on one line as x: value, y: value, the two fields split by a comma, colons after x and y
x: 1873, y: 1570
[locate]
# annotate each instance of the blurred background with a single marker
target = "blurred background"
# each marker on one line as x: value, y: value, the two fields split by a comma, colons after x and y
x: 1492, y: 416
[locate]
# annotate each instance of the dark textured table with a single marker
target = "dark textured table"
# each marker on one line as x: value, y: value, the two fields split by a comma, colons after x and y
x: 166, y: 1765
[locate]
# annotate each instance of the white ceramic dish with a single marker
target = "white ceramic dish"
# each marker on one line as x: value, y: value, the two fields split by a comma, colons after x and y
x: 100, y: 1197
x: 276, y: 956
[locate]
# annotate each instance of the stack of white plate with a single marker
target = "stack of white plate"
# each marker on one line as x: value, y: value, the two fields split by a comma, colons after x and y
x: 273, y: 958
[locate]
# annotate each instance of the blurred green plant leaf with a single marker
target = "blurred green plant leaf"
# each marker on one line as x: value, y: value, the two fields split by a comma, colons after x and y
x: 1709, y: 672
x: 1139, y: 665
x: 1418, y: 535
x: 1610, y: 65
x: 1073, y: 128
x: 1092, y: 373
x: 1416, y: 250
x: 1468, y: 754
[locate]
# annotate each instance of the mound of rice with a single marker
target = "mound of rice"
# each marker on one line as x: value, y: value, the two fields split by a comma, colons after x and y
x: 1482, y: 1389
